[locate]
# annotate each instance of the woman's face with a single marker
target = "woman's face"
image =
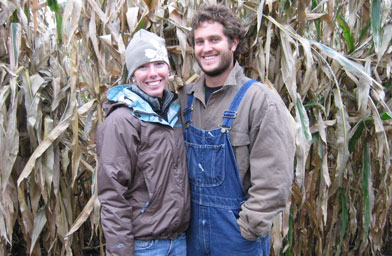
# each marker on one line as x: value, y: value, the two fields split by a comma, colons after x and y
x: 152, y: 78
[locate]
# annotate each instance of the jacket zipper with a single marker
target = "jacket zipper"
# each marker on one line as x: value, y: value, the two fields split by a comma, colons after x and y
x: 145, y: 207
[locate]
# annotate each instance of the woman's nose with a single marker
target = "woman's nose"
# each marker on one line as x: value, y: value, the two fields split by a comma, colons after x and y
x: 153, y: 71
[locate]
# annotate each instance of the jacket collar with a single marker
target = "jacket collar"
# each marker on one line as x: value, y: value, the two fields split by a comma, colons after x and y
x: 231, y: 80
x: 158, y: 105
x: 141, y: 106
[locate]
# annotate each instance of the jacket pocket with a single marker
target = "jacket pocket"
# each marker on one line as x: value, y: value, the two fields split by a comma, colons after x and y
x: 239, y: 139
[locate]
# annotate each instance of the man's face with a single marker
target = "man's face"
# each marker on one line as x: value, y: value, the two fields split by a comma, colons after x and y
x: 213, y: 50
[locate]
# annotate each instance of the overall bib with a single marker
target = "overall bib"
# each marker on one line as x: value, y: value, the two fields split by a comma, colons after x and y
x: 216, y: 189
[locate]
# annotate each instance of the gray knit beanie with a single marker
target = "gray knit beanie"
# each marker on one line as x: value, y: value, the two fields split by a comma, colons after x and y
x: 144, y: 47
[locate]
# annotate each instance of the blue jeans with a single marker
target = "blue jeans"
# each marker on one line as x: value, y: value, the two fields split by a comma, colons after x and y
x: 161, y: 247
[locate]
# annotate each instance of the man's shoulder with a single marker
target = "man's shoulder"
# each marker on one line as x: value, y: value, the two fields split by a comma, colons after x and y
x: 183, y: 91
x: 261, y: 94
x: 263, y: 88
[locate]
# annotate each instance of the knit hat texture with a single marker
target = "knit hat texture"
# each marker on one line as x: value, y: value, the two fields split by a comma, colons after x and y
x: 145, y: 47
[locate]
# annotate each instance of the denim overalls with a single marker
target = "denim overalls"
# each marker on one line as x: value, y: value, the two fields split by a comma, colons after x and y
x: 216, y: 189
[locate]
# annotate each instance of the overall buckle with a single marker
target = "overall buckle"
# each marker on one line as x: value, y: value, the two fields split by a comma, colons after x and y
x: 230, y: 114
x: 224, y: 128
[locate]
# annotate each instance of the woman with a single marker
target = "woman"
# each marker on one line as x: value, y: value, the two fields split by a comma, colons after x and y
x: 142, y: 178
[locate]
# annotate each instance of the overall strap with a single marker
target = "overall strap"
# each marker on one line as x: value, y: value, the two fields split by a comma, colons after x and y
x: 230, y: 114
x: 188, y: 109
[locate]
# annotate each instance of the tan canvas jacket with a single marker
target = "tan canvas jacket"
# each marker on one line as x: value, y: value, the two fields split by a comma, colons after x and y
x: 263, y: 144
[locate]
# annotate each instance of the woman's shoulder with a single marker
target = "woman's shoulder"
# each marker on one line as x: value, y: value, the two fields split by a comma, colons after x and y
x: 120, y: 116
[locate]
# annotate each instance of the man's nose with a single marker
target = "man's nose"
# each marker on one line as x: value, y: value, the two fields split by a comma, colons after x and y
x: 207, y: 46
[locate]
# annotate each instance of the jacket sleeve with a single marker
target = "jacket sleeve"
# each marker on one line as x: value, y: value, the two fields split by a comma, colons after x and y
x: 272, y: 152
x: 116, y: 148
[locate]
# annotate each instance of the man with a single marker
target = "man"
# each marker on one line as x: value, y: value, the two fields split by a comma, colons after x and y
x: 240, y: 149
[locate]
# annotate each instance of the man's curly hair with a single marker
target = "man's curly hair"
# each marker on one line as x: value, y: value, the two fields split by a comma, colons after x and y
x: 232, y: 27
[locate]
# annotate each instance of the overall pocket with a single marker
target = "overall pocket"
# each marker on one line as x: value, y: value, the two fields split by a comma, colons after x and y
x: 205, y: 164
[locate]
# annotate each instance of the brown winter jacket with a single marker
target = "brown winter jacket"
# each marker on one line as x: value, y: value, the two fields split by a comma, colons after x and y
x: 142, y: 178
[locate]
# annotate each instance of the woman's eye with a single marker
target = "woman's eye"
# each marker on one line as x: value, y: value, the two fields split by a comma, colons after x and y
x: 160, y: 64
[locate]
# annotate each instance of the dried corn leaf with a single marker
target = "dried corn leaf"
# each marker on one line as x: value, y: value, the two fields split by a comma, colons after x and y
x: 39, y: 223
x: 84, y: 214
x: 9, y: 134
x: 132, y: 14
x: 303, y: 142
x: 289, y: 64
x: 71, y: 18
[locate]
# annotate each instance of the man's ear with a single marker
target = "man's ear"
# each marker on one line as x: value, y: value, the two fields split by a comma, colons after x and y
x: 234, y: 44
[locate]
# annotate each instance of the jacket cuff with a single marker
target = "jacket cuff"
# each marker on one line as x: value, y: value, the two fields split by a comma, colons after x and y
x: 244, y: 231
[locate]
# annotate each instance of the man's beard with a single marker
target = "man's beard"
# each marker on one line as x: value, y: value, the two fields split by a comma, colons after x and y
x: 225, y: 64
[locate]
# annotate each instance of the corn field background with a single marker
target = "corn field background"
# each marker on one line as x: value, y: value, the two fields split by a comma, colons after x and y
x: 329, y: 60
